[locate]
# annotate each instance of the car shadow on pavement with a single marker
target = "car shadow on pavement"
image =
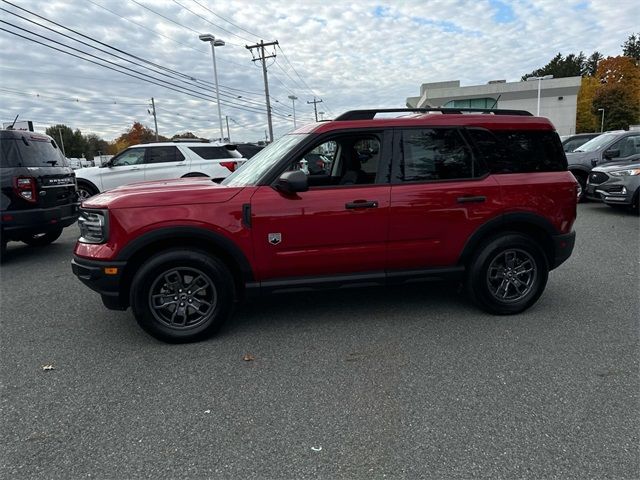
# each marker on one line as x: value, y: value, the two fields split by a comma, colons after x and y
x: 348, y: 304
x: 18, y: 252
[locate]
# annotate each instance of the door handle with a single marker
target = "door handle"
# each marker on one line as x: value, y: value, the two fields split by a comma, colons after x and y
x: 135, y: 168
x: 361, y: 204
x: 477, y: 199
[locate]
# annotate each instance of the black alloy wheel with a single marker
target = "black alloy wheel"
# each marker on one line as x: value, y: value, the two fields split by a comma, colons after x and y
x: 182, y: 298
x: 507, y: 274
x: 181, y: 295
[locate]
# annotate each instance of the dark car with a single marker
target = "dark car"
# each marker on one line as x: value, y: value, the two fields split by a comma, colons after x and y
x: 617, y: 185
x: 38, y: 189
x: 573, y: 142
x: 605, y: 149
x: 484, y: 198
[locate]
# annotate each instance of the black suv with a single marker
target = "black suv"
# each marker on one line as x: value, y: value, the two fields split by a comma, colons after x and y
x: 38, y: 188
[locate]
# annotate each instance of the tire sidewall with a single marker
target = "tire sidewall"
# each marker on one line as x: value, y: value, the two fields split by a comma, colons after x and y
x: 150, y: 270
x: 477, y: 284
x: 46, y: 238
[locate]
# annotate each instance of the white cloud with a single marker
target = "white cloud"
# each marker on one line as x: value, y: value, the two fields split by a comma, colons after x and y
x: 365, y: 54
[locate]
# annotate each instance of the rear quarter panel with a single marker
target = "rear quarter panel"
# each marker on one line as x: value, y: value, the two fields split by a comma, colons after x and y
x: 552, y: 195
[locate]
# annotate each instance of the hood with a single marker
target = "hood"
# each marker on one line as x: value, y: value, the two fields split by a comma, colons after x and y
x: 579, y: 157
x: 163, y: 193
x: 609, y: 167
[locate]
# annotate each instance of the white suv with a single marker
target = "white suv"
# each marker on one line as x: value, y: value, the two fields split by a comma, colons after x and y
x: 160, y: 161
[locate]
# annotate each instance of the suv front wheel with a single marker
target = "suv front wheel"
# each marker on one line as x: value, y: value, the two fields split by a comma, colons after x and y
x: 182, y: 296
x: 508, y: 274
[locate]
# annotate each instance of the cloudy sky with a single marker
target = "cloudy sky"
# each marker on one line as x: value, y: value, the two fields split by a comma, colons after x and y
x: 349, y: 54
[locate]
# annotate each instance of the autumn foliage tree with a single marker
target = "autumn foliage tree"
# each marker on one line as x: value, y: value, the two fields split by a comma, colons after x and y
x: 137, y: 134
x: 618, y: 92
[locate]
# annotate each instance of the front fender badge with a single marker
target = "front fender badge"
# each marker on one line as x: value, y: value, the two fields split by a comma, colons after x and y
x: 274, y: 238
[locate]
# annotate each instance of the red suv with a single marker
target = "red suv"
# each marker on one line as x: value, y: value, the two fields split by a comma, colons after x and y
x: 483, y: 197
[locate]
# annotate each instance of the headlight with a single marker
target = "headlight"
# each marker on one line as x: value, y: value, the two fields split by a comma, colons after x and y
x: 94, y: 226
x: 625, y: 173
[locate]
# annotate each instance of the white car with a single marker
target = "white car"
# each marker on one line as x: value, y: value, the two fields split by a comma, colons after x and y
x: 160, y: 161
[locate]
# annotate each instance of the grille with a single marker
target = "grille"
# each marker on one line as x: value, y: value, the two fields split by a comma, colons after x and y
x: 598, y: 177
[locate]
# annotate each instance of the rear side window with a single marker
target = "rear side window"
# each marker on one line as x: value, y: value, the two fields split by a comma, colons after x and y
x: 436, y: 154
x: 163, y: 155
x: 30, y: 151
x: 211, y: 153
x: 519, y: 151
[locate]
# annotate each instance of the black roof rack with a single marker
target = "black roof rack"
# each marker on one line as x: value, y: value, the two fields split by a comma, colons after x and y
x: 370, y: 114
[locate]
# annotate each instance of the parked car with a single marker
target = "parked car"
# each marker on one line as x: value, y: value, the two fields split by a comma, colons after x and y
x: 248, y: 150
x: 572, y: 142
x: 616, y: 185
x: 610, y: 147
x: 38, y: 189
x: 481, y: 198
x: 160, y: 161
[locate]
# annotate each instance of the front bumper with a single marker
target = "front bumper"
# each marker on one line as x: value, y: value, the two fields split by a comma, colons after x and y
x: 615, y: 191
x: 17, y: 223
x: 562, y: 248
x: 93, y: 274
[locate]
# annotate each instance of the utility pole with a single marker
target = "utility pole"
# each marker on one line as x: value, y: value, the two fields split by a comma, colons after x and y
x: 226, y: 117
x: 315, y: 106
x: 262, y: 57
x: 61, y: 140
x: 155, y: 119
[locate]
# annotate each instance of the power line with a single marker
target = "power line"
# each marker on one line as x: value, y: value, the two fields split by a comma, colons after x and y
x: 215, y: 25
x: 148, y: 79
x: 229, y: 21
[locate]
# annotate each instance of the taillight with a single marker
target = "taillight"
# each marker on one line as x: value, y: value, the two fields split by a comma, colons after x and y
x: 231, y: 166
x: 25, y: 188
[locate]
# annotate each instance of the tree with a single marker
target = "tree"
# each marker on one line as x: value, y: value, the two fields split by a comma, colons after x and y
x: 631, y: 48
x: 184, y: 135
x: 74, y: 142
x: 590, y: 66
x: 94, y: 145
x: 137, y: 134
x: 618, y: 92
x: 586, y: 121
x: 570, y: 66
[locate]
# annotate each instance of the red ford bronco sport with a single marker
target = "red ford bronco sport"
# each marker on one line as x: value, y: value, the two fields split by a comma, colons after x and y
x: 483, y: 196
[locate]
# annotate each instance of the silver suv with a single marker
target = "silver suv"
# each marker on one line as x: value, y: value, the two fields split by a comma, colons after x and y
x: 160, y: 161
x: 606, y: 149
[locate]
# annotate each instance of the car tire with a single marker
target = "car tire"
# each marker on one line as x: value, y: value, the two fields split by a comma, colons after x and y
x: 86, y: 190
x: 42, y: 239
x: 181, y: 296
x: 507, y: 274
x: 582, y: 180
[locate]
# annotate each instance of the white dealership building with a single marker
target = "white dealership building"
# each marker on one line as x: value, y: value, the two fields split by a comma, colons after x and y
x: 558, y: 98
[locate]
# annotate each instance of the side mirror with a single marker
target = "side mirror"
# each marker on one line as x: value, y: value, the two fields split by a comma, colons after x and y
x: 292, y: 182
x: 612, y: 153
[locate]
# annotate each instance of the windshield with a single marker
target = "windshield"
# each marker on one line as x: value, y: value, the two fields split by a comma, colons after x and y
x: 31, y: 151
x: 596, y: 143
x: 251, y: 172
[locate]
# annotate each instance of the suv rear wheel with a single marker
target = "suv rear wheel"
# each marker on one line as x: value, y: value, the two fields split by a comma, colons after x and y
x: 42, y: 239
x: 508, y: 274
x: 182, y: 295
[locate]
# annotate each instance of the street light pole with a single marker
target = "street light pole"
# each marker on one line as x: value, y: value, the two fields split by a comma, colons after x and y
x: 602, y: 120
x: 539, y: 79
x: 293, y: 102
x: 207, y: 37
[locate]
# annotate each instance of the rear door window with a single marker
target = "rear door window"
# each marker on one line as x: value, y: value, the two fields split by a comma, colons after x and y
x: 163, y: 155
x: 433, y: 154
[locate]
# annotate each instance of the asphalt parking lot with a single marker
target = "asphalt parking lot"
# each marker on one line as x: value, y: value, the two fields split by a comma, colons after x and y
x: 404, y: 382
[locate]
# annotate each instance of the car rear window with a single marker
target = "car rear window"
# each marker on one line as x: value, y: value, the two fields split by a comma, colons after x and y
x: 519, y: 151
x: 211, y: 153
x: 30, y: 151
